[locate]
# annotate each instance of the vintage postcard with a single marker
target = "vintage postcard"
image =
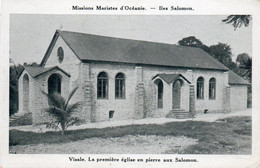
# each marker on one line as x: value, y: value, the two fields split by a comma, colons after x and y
x: 130, y: 84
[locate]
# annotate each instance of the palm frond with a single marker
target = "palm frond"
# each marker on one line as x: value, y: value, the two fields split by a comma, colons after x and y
x: 55, y: 99
x: 74, y: 121
x: 237, y: 20
x: 73, y: 108
x: 70, y: 96
x: 57, y: 113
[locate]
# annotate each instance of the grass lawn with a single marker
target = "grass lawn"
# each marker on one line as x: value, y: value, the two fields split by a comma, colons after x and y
x: 226, y: 136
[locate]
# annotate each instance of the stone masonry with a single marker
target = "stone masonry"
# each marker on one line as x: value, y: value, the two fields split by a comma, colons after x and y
x: 192, y: 99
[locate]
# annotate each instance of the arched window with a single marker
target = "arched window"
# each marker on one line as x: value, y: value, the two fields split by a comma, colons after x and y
x: 54, y: 84
x: 60, y: 54
x: 200, y: 88
x: 160, y: 94
x: 102, y: 85
x: 120, y: 86
x: 26, y: 94
x: 212, y: 88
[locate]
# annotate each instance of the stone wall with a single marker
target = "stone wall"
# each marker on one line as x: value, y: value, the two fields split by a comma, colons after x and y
x: 41, y: 102
x: 226, y: 99
x: 192, y: 104
x: 167, y: 98
x: 87, y: 91
x: 238, y: 97
x: 123, y: 108
x: 127, y: 108
x: 212, y: 105
x: 192, y: 75
x: 30, y: 89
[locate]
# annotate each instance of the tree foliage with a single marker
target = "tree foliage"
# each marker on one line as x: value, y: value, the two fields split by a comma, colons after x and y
x: 245, y: 64
x: 222, y: 52
x: 190, y: 41
x: 193, y: 42
x: 242, y: 57
x: 238, y: 20
x: 62, y: 112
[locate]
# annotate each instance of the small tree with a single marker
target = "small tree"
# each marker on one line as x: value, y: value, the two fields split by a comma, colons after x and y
x: 62, y: 112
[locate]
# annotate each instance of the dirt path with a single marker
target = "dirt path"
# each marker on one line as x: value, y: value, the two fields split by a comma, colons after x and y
x: 121, y: 145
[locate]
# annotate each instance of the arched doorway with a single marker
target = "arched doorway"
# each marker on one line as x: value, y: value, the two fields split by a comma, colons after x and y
x: 176, y: 94
x: 54, y: 84
x: 26, y: 93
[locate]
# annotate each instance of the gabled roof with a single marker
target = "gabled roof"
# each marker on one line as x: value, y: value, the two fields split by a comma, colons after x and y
x: 234, y: 79
x: 169, y: 78
x: 36, y: 71
x: 88, y: 47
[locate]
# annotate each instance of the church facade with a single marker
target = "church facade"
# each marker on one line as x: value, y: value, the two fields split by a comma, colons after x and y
x: 129, y: 79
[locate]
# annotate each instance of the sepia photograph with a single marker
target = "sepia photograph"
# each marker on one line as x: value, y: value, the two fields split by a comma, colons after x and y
x: 130, y: 84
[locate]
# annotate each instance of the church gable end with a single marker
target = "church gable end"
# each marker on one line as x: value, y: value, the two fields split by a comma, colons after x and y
x: 59, y: 53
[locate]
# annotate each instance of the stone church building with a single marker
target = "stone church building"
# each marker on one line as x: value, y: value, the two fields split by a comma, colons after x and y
x: 129, y: 79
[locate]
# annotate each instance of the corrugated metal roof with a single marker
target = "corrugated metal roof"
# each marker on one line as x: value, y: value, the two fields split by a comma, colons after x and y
x: 169, y: 78
x: 101, y: 48
x: 234, y: 79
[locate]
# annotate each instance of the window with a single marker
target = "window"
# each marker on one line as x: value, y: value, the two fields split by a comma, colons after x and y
x: 160, y: 94
x: 111, y: 114
x: 120, y: 86
x: 60, y: 54
x: 212, y: 88
x: 102, y: 85
x: 200, y: 88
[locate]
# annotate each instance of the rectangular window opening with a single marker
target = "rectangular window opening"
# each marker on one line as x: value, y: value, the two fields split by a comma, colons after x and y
x: 111, y: 113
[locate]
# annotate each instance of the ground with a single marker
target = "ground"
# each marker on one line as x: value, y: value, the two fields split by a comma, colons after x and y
x: 134, y: 144
x: 207, y: 134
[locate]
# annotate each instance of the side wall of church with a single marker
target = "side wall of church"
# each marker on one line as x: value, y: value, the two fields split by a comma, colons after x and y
x: 124, y: 108
x: 212, y: 105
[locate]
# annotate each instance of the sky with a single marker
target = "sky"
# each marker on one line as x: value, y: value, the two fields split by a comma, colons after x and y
x: 30, y: 35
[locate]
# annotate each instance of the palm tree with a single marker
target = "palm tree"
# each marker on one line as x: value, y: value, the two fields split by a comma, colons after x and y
x: 62, y: 112
x: 238, y: 20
